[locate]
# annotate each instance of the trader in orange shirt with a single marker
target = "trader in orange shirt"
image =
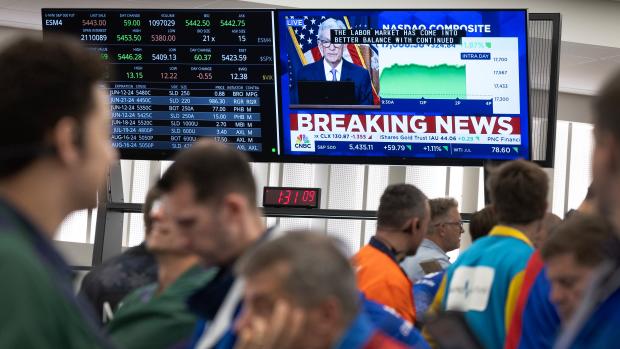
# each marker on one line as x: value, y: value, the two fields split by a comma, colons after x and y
x: 402, y: 221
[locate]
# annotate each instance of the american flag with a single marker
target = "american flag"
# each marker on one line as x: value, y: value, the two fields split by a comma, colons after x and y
x: 305, y: 41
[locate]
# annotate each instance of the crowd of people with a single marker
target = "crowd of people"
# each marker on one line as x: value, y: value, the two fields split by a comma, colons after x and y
x: 210, y: 274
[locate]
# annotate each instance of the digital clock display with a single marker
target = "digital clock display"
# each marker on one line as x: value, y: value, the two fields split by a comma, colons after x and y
x: 291, y: 197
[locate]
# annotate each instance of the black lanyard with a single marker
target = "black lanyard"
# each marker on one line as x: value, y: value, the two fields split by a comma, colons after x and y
x: 390, y: 252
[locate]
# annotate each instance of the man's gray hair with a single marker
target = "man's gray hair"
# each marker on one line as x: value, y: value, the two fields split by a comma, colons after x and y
x: 330, y: 24
x: 318, y: 269
x: 398, y: 204
x: 440, y: 207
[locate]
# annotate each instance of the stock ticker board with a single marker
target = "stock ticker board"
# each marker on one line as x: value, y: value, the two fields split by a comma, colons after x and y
x: 180, y: 75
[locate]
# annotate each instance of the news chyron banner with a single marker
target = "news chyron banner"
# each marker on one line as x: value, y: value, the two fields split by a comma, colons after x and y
x: 404, y: 84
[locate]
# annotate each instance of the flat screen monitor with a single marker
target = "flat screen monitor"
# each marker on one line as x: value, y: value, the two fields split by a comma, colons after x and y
x: 321, y: 93
x: 182, y: 75
x: 430, y: 86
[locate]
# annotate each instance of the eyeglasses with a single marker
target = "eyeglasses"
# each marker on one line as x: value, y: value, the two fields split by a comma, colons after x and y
x: 459, y: 223
x: 327, y: 43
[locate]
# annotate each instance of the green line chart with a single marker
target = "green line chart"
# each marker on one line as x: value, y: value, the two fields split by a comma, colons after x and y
x: 444, y: 81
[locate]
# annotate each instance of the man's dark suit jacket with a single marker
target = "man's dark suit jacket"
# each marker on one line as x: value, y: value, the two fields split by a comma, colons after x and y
x: 350, y: 72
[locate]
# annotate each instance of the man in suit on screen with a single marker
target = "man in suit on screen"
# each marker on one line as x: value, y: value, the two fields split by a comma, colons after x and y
x: 332, y: 67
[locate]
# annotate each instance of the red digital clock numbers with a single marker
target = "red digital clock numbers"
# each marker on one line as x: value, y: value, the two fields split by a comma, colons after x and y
x: 291, y: 197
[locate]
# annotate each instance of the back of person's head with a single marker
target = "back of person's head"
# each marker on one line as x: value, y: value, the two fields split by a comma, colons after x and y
x: 399, y: 203
x: 481, y: 223
x: 588, y: 238
x: 440, y: 209
x: 214, y: 170
x: 549, y: 222
x: 606, y: 154
x: 590, y: 195
x: 588, y: 205
x: 42, y: 82
x: 606, y: 111
x: 518, y: 192
x: 316, y: 270
x: 152, y: 197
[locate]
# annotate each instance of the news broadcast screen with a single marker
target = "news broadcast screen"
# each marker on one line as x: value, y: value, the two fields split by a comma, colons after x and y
x: 373, y: 86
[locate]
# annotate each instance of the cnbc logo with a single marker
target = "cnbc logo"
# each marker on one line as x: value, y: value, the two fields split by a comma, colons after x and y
x: 302, y: 139
x: 302, y: 143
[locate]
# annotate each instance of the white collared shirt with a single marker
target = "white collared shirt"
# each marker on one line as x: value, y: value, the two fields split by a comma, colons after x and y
x: 328, y: 70
x: 428, y: 251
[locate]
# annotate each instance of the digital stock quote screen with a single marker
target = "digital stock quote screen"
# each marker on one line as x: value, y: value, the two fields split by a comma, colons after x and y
x: 393, y: 86
x: 181, y: 75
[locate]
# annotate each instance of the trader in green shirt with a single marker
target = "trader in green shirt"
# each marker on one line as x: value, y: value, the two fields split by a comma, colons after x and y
x: 156, y: 315
x: 55, y: 152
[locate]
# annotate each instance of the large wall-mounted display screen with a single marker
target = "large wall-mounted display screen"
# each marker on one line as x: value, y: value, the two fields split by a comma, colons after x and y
x: 182, y: 75
x: 393, y: 86
x: 445, y: 87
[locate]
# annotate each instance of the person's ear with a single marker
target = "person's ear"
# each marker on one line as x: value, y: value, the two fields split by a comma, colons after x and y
x: 243, y: 320
x: 416, y: 225
x: 606, y: 153
x: 64, y: 140
x: 330, y: 312
x: 613, y: 158
x: 440, y: 228
x: 233, y: 206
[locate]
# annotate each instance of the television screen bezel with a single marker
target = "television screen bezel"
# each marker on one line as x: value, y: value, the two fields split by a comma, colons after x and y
x: 382, y: 160
x: 168, y: 154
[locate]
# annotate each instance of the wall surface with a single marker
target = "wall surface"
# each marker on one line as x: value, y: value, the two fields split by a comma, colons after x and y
x: 592, y: 22
x: 574, y: 107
